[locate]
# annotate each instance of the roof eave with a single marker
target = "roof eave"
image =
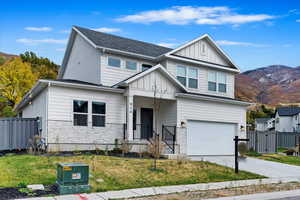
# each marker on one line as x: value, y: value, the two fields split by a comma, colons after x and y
x: 215, y: 99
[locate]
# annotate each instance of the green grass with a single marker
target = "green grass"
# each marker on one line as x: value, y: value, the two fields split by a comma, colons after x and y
x: 282, y: 149
x: 117, y: 173
x: 292, y: 160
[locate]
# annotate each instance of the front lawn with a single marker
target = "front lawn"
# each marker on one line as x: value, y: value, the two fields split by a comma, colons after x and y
x: 114, y: 173
x: 292, y: 160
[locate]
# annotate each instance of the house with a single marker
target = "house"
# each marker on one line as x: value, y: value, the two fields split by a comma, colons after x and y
x: 113, y: 88
x: 264, y: 124
x: 287, y: 119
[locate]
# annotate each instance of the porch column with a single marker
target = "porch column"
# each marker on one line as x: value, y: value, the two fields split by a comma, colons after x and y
x: 130, y: 117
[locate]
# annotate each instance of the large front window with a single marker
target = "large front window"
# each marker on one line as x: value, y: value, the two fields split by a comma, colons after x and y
x: 98, y: 114
x: 80, y: 113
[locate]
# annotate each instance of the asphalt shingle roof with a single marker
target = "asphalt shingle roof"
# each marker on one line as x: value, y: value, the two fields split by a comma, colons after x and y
x: 123, y: 44
x: 262, y: 120
x: 288, y: 111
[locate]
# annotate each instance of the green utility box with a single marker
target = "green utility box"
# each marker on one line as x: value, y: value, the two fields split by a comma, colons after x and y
x: 72, y: 178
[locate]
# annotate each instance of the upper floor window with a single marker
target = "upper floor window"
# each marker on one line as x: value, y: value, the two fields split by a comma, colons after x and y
x: 222, y: 82
x: 114, y: 62
x: 187, y: 76
x: 192, y: 77
x: 146, y: 66
x: 212, y: 81
x: 80, y: 113
x: 131, y: 65
x: 217, y: 82
x: 98, y: 114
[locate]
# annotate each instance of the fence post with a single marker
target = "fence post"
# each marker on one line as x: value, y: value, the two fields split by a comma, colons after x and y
x: 256, y: 140
x: 276, y: 142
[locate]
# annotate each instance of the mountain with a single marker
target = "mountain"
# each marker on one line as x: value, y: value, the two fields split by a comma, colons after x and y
x: 7, y: 56
x: 272, y: 85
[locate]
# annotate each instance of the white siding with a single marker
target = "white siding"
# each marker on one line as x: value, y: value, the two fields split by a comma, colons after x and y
x: 145, y: 86
x: 84, y: 62
x: 210, y: 55
x: 203, y: 79
x: 285, y: 123
x: 112, y: 75
x: 38, y: 108
x: 61, y: 129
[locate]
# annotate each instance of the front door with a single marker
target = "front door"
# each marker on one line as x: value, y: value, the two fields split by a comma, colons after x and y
x: 146, y: 123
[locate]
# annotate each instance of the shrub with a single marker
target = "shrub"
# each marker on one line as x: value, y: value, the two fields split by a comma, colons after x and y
x: 289, y: 152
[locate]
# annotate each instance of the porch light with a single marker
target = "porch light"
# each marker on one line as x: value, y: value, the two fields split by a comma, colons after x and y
x: 182, y: 124
x: 242, y: 128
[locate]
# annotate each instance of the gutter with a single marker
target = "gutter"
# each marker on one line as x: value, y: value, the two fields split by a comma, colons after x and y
x: 215, y: 99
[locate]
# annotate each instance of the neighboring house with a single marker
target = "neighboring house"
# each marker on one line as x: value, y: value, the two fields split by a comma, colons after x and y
x: 105, y: 91
x: 264, y: 124
x: 287, y: 119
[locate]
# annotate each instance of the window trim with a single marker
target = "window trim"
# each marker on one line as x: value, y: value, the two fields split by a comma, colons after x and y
x: 114, y: 57
x: 80, y: 113
x: 187, y: 77
x: 97, y: 114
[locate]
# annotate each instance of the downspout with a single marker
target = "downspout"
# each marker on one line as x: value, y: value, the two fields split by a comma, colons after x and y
x: 47, y: 112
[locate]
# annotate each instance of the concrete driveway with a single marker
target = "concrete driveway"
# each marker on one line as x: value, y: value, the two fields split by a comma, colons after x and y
x: 257, y: 166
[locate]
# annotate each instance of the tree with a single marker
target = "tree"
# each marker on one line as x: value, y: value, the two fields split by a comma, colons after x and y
x: 16, y: 78
x: 6, y: 110
x: 43, y: 67
x: 2, y: 60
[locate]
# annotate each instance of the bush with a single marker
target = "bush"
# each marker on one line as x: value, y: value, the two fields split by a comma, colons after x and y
x: 243, y: 149
x: 289, y: 152
x: 253, y: 154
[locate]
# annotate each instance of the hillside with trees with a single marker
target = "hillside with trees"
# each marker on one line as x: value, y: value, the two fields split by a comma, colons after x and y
x: 17, y: 76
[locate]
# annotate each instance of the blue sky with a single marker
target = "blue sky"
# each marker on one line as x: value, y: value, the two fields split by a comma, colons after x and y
x: 253, y: 33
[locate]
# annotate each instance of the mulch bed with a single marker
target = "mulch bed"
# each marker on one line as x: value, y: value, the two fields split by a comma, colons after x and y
x: 16, y: 193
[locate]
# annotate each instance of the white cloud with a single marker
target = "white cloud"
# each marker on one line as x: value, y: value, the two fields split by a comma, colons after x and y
x: 167, y: 44
x: 29, y: 41
x: 298, y: 20
x: 42, y: 29
x: 107, y: 30
x: 234, y: 43
x: 181, y: 15
x: 60, y: 49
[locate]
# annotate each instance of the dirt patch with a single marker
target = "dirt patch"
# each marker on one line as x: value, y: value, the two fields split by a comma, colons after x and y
x: 19, y: 192
x: 197, y: 195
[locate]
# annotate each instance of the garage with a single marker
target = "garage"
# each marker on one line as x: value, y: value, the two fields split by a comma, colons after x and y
x: 210, y: 138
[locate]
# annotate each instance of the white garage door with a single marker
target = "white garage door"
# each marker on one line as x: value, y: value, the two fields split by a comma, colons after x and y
x: 210, y: 138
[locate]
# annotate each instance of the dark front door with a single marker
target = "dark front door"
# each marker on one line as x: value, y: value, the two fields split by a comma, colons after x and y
x: 146, y: 123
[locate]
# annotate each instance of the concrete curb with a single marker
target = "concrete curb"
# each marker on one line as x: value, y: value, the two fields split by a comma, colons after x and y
x: 150, y: 191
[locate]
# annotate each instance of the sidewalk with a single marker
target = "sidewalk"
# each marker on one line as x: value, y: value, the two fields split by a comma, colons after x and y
x: 265, y: 196
x: 150, y: 191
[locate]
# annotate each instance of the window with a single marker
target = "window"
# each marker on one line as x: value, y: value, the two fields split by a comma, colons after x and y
x: 222, y: 82
x: 80, y: 113
x: 145, y: 67
x: 181, y: 75
x: 131, y: 65
x: 187, y: 76
x: 98, y: 114
x: 114, y: 62
x: 212, y: 81
x: 193, y: 78
x: 203, y: 48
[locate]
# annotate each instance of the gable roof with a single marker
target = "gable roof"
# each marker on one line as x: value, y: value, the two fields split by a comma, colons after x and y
x: 144, y: 73
x: 214, y: 45
x: 288, y: 111
x: 105, y: 40
x: 262, y: 120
